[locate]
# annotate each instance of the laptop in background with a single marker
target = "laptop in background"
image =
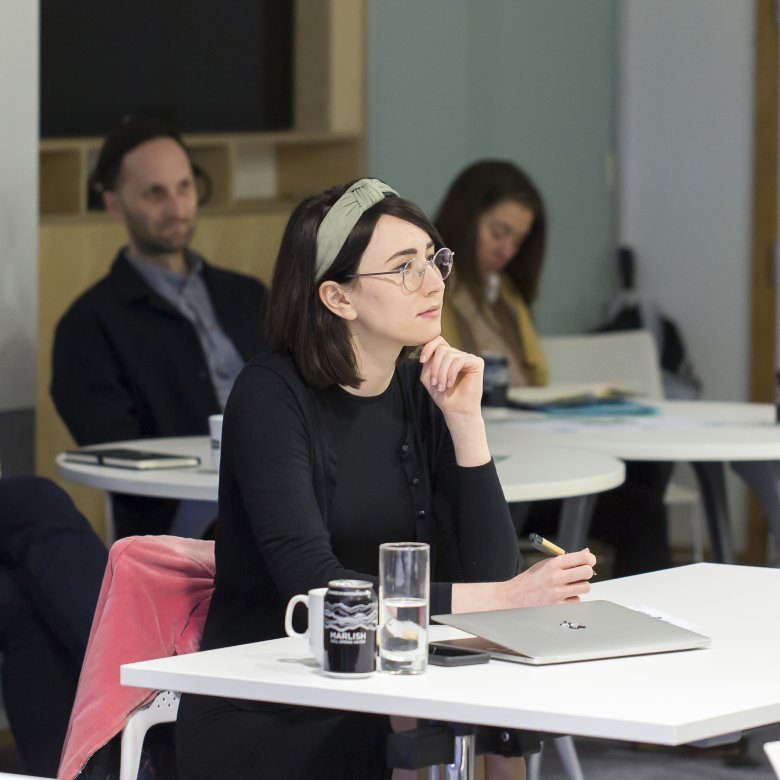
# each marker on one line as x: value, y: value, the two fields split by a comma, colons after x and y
x: 561, y: 633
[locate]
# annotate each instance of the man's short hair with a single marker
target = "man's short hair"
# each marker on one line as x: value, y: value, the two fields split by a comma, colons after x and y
x: 126, y: 136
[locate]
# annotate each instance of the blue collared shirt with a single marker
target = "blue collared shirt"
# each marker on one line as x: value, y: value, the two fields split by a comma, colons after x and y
x: 188, y: 294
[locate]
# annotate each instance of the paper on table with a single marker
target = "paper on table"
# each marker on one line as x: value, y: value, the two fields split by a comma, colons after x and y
x: 565, y: 392
x: 599, y: 408
x: 675, y: 621
x: 576, y: 424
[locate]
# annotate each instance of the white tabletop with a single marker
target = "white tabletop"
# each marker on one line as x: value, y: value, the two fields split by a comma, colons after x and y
x: 670, y: 698
x: 528, y: 471
x: 199, y: 483
x: 683, y: 431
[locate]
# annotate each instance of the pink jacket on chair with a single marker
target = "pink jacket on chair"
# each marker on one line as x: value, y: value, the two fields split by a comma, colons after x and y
x: 153, y: 603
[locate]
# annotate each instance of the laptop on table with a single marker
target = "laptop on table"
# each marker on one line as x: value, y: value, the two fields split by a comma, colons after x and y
x: 561, y: 633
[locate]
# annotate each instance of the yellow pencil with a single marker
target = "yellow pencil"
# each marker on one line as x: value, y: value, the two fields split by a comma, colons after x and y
x: 546, y: 546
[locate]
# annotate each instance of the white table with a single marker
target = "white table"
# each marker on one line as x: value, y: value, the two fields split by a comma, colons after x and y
x: 706, y: 434
x: 667, y: 699
x: 198, y: 484
x: 683, y: 430
x: 527, y: 471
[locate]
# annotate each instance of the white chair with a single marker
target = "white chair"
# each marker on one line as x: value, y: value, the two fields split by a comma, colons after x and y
x: 162, y: 709
x: 772, y: 750
x: 155, y: 594
x: 628, y: 359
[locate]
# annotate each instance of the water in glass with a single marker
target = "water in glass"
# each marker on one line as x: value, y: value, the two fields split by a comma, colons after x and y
x: 403, y: 643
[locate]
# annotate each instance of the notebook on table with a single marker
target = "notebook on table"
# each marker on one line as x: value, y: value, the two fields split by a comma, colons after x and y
x: 578, y: 400
x: 126, y: 458
x: 561, y: 633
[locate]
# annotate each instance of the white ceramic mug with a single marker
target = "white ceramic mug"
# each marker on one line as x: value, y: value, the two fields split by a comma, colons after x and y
x: 315, y: 602
x: 215, y: 434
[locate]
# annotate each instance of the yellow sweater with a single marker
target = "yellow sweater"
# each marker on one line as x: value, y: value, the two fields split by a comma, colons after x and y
x: 457, y: 331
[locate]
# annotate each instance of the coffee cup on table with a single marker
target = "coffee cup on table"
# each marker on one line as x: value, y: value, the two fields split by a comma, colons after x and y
x: 215, y: 435
x: 314, y: 601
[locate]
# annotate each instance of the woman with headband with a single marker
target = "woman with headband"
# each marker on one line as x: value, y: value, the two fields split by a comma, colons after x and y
x: 336, y: 442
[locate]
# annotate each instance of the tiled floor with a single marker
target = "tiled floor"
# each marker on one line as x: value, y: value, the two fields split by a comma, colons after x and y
x: 607, y: 760
x: 602, y: 760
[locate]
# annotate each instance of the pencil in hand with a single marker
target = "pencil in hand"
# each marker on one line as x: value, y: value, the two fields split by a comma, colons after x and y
x: 547, y: 547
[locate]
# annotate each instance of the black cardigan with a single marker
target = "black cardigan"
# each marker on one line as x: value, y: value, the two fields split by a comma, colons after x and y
x: 277, y: 473
x: 126, y: 364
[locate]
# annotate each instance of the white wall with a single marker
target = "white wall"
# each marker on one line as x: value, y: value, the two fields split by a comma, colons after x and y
x: 18, y: 201
x: 453, y: 81
x: 685, y: 177
x: 685, y: 130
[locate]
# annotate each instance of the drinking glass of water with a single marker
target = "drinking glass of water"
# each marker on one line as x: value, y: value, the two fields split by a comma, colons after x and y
x: 404, y: 599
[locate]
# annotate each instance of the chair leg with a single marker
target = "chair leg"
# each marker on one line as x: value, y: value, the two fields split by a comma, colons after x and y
x: 697, y: 534
x: 162, y: 709
x: 712, y: 487
x: 110, y: 532
x: 533, y: 765
x: 567, y: 752
x: 568, y: 755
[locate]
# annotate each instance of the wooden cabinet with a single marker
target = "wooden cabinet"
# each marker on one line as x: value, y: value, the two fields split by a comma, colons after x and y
x: 255, y: 181
x: 242, y: 170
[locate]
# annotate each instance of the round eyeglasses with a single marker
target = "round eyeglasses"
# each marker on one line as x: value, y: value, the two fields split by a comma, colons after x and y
x: 412, y: 272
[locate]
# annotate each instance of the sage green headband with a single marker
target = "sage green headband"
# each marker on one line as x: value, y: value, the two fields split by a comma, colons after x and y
x: 342, y: 217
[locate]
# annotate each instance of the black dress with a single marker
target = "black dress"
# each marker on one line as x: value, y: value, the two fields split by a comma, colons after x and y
x: 311, y: 482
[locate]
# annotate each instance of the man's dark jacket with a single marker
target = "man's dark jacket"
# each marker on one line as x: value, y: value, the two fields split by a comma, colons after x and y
x: 126, y: 364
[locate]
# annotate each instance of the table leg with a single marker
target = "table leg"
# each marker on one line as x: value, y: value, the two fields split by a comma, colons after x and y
x: 446, y: 750
x: 762, y: 478
x: 574, y: 525
x: 463, y: 766
x: 110, y: 532
x: 712, y: 486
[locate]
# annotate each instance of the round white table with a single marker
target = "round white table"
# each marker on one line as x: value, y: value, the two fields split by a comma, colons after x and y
x: 197, y: 483
x: 528, y: 471
x: 682, y: 431
x: 706, y: 434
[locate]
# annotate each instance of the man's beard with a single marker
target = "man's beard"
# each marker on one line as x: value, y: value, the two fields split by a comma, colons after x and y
x: 153, y: 245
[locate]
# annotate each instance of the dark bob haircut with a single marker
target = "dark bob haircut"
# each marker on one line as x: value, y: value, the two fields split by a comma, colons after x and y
x: 478, y: 188
x: 297, y: 322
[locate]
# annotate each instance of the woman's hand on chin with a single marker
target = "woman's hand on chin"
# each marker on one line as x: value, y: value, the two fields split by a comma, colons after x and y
x: 453, y: 378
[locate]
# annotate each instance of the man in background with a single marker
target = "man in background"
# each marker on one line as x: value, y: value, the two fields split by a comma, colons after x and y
x: 153, y: 348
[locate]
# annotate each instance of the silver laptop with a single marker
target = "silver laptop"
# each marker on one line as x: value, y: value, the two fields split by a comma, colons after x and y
x: 580, y: 631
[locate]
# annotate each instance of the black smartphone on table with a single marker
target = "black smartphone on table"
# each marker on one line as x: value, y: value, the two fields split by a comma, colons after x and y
x: 442, y: 654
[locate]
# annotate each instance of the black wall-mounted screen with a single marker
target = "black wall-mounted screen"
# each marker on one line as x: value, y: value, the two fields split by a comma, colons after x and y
x: 204, y: 65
